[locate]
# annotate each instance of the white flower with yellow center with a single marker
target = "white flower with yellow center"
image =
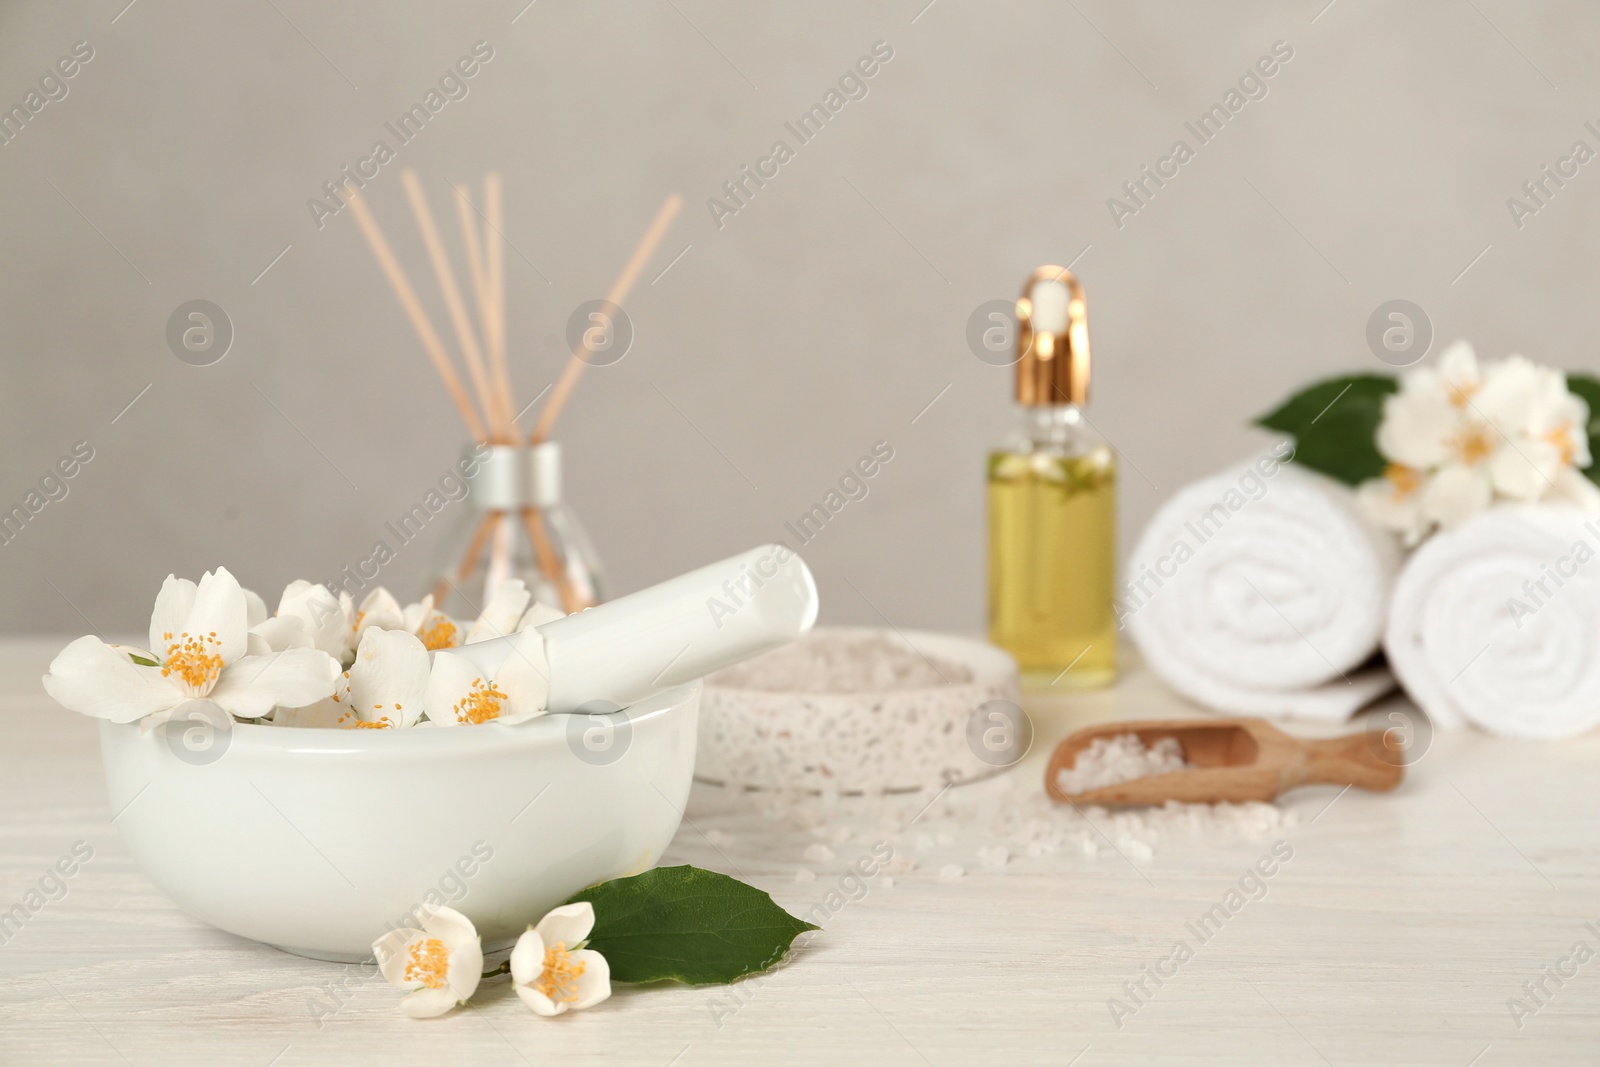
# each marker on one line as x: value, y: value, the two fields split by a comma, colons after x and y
x: 460, y: 694
x: 310, y: 616
x: 439, y: 965
x: 502, y: 615
x: 384, y: 688
x: 388, y: 681
x: 1459, y: 437
x: 551, y: 970
x: 199, y: 648
x: 433, y: 628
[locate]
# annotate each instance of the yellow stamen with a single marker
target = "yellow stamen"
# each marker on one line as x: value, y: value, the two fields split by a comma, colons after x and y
x: 559, y: 981
x: 350, y: 722
x: 195, y: 660
x: 1474, y: 444
x: 1406, y: 480
x: 1461, y: 393
x: 1561, y: 437
x: 428, y: 962
x: 439, y: 632
x: 481, y: 703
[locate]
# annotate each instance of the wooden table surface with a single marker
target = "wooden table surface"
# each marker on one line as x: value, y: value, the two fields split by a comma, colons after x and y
x: 1402, y: 930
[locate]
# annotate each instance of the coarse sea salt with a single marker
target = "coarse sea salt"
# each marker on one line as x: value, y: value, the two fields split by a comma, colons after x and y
x: 818, y: 853
x: 1114, y: 760
x: 827, y: 662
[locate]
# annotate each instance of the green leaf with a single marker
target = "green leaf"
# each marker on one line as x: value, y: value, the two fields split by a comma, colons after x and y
x: 141, y: 661
x: 1587, y: 386
x: 689, y: 925
x: 1334, y: 424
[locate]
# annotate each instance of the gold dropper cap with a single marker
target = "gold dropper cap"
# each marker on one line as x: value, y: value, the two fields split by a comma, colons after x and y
x: 1052, y: 339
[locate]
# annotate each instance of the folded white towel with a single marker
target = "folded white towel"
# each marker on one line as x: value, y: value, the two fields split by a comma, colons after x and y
x: 1497, y: 622
x: 1260, y: 591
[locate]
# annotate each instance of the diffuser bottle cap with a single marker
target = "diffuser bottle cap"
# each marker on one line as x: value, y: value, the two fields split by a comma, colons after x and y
x: 1052, y: 339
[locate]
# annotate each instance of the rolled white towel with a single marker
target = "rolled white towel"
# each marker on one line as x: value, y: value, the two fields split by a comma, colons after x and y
x: 1497, y: 622
x: 1261, y: 591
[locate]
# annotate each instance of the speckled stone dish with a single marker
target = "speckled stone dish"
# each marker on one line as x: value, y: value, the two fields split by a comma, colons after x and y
x: 911, y: 717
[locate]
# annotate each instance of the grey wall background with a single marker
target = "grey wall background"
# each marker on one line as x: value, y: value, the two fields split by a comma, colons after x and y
x: 823, y: 317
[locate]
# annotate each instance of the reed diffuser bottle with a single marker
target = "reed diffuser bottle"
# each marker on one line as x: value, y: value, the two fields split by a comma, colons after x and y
x: 1052, y: 503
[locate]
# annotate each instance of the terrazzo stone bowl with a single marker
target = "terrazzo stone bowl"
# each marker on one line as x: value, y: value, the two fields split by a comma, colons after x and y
x: 317, y: 840
x: 870, y: 742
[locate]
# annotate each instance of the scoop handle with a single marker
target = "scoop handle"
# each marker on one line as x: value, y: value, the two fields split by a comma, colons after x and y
x: 1352, y: 760
x: 618, y: 653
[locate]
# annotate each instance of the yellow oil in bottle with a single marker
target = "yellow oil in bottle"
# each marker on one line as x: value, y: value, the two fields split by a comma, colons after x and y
x: 1052, y: 561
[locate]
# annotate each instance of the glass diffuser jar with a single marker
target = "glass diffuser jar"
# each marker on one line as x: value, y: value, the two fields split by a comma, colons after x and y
x: 1053, y: 505
x: 516, y: 525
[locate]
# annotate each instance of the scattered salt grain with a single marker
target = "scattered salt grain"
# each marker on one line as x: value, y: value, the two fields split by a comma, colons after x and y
x: 951, y: 872
x: 1134, y: 848
x: 818, y: 853
x: 1112, y: 761
x: 719, y: 839
x: 901, y: 864
x: 997, y: 856
x: 805, y: 875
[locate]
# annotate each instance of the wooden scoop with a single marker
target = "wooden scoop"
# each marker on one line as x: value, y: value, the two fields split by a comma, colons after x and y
x: 1235, y: 760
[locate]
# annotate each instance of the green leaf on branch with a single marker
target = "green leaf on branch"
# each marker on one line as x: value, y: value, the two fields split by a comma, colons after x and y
x: 1334, y: 424
x: 1587, y: 386
x: 688, y: 925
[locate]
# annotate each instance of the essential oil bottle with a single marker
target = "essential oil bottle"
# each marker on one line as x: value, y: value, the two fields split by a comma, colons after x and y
x: 1053, y: 503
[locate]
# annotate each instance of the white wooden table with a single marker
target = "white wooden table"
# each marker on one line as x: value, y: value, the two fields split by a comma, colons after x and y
x: 1398, y: 933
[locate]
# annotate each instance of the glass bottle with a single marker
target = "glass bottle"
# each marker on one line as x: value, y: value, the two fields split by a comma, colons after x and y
x: 1052, y: 504
x: 516, y: 524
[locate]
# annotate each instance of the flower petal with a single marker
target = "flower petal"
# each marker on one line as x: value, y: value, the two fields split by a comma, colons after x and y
x: 429, y: 1003
x: 539, y: 1002
x: 1418, y: 426
x: 92, y: 678
x: 392, y: 950
x: 255, y: 609
x: 527, y: 958
x: 539, y: 614
x: 414, y: 615
x: 1526, y: 471
x: 594, y: 984
x: 283, y: 631
x: 504, y: 610
x: 173, y: 605
x: 1573, y: 487
x: 466, y: 968
x: 254, y: 685
x: 524, y: 678
x: 321, y: 612
x: 219, y: 608
x: 1458, y: 369
x: 567, y: 925
x: 1509, y: 398
x: 389, y: 678
x: 448, y: 925
x: 1381, y: 502
x: 1455, y: 494
x: 379, y: 608
x: 448, y: 685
